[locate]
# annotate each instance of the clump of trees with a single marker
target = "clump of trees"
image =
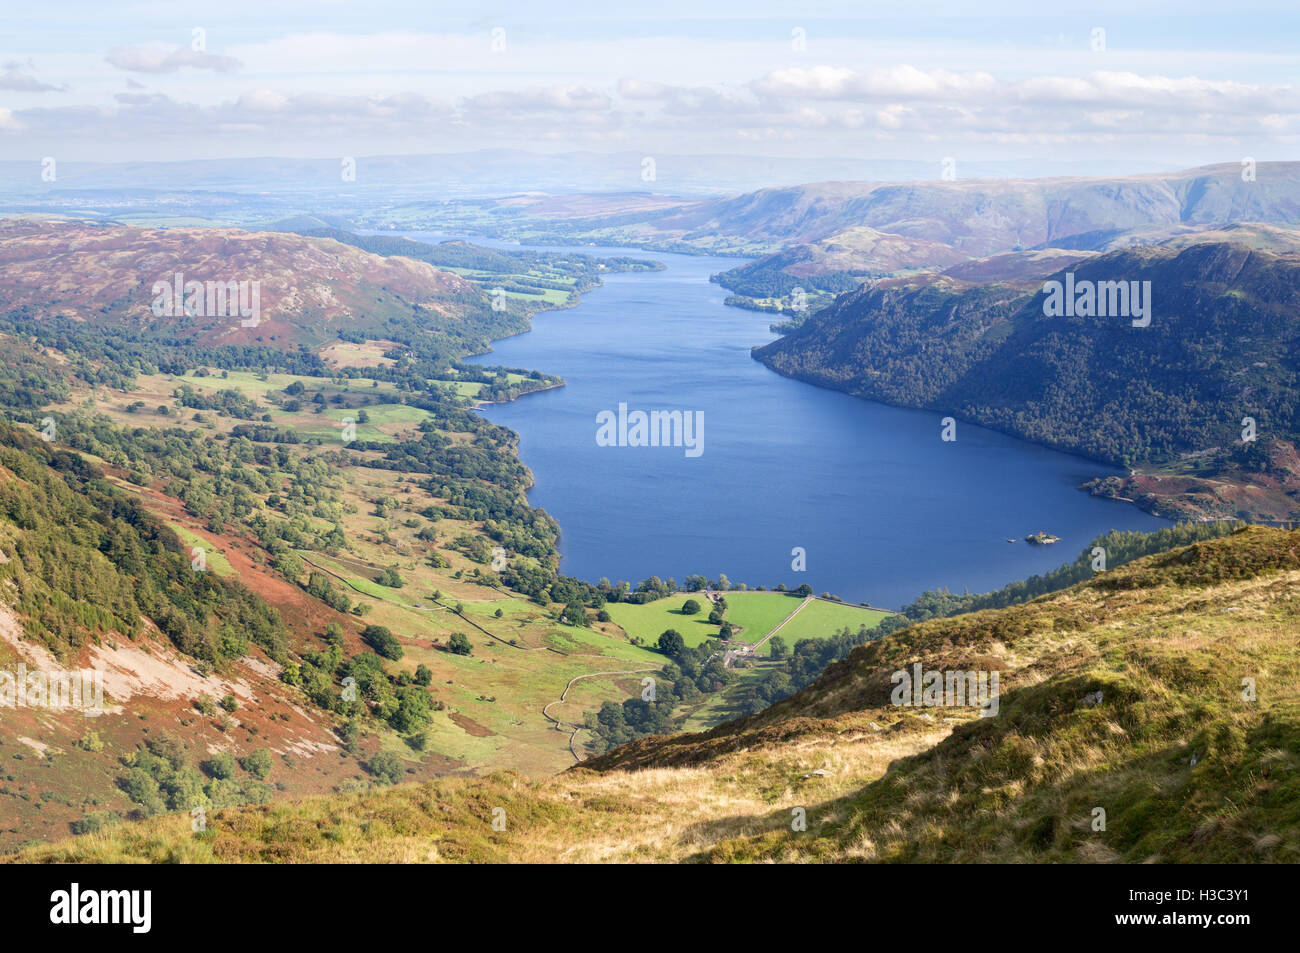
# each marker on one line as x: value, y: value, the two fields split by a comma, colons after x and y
x: 158, y: 778
x: 382, y: 640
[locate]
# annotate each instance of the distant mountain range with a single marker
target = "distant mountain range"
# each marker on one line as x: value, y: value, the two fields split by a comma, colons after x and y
x: 872, y: 228
x: 987, y: 216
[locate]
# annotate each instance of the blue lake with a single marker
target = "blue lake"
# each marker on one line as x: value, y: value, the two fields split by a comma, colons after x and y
x: 882, y: 506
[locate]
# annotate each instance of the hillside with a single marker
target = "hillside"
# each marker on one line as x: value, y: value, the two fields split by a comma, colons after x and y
x: 833, y: 264
x: 1016, y: 267
x: 1162, y: 693
x: 1253, y: 235
x: 1217, y: 350
x: 308, y: 289
x: 93, y: 580
x: 849, y: 259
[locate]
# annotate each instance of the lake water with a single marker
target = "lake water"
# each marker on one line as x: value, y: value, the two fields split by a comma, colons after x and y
x: 882, y: 507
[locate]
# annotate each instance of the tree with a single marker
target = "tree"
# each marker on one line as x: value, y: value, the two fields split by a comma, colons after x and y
x: 778, y: 647
x: 257, y: 763
x: 221, y: 765
x: 690, y: 607
x: 386, y: 767
x: 458, y: 644
x: 383, y: 641
x: 289, y: 564
x: 413, y: 710
x: 671, y: 643
x: 423, y: 674
x: 805, y: 590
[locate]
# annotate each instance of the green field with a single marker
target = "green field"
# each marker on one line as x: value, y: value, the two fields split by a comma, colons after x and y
x: 820, y: 619
x: 214, y: 560
x: 650, y: 620
x: 760, y: 612
x: 464, y: 388
x: 757, y: 612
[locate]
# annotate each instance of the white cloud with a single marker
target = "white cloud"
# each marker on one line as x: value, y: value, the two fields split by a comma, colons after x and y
x: 16, y: 77
x: 551, y: 99
x: 463, y: 94
x: 893, y: 82
x: 162, y: 59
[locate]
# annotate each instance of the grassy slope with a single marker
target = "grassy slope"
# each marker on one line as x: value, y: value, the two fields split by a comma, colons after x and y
x: 1167, y: 640
x: 497, y: 696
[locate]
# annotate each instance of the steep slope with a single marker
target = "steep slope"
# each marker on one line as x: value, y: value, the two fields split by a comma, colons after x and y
x: 1221, y: 346
x: 1163, y: 694
x: 89, y: 580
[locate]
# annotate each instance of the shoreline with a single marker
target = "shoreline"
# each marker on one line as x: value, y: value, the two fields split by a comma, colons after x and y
x: 1150, y: 508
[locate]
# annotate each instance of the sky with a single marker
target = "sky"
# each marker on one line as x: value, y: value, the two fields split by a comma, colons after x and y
x: 1179, y: 84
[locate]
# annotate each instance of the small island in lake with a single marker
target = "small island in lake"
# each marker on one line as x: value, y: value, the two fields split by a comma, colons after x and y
x: 1042, y: 539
